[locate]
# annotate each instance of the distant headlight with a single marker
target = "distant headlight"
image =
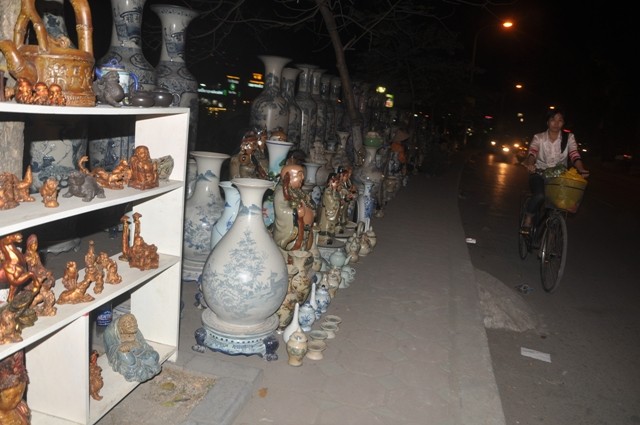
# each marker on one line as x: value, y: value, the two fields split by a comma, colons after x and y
x: 505, y: 149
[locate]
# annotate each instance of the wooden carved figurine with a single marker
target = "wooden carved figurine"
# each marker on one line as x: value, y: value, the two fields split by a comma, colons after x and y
x: 75, y: 291
x: 7, y: 193
x: 111, y: 180
x: 44, y: 301
x: 9, y: 327
x: 56, y: 97
x: 125, y: 238
x: 140, y: 255
x: 24, y: 91
x: 40, y: 94
x: 49, y: 192
x: 14, y: 269
x: 144, y: 172
x: 21, y: 187
x: 13, y: 383
x: 110, y: 267
x: 95, y: 376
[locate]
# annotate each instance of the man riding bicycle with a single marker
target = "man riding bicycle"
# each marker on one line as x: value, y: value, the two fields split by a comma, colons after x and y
x: 547, y: 150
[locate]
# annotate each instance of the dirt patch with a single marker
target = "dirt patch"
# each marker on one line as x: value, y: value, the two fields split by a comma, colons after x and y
x: 167, y: 399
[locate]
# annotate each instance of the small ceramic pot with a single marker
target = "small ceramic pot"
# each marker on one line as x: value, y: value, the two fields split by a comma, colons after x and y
x: 142, y: 99
x: 332, y: 318
x: 315, y: 349
x: 162, y: 97
x: 318, y: 335
x: 330, y: 329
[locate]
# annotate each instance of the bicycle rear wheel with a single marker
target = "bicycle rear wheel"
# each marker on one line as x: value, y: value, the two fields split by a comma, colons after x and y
x: 524, y: 241
x: 553, y: 252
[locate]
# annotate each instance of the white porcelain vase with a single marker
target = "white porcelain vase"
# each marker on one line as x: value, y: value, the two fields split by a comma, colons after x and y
x: 202, y: 211
x: 270, y: 110
x: 245, y: 279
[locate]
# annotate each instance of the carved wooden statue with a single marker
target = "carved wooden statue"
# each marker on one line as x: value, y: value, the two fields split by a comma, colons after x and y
x: 13, y: 382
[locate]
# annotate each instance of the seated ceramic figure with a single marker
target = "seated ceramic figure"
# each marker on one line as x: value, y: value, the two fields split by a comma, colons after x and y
x: 293, y: 209
x: 128, y: 352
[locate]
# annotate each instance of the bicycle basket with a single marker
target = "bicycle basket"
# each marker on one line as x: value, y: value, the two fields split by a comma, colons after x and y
x: 564, y: 193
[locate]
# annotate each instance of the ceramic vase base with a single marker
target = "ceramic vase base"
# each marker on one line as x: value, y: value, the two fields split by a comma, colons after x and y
x: 264, y: 344
x: 191, y: 270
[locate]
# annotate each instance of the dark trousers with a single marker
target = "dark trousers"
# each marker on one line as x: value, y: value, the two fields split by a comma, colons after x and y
x: 536, y: 185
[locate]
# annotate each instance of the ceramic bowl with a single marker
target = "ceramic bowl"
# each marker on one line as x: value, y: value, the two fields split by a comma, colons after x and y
x: 330, y: 329
x: 318, y: 335
x: 332, y: 318
x: 315, y: 349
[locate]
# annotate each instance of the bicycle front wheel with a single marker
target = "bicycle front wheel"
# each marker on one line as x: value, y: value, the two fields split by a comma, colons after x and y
x: 524, y: 241
x: 553, y: 252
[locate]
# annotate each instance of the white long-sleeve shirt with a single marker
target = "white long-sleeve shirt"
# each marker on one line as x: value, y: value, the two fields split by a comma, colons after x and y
x: 547, y: 152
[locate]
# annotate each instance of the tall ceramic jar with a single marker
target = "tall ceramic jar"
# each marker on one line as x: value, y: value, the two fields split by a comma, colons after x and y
x: 172, y: 72
x: 244, y: 281
x: 289, y: 78
x: 126, y: 42
x: 308, y: 107
x: 369, y: 172
x: 334, y: 96
x: 270, y: 110
x: 321, y: 118
x: 202, y: 210
x: 330, y: 114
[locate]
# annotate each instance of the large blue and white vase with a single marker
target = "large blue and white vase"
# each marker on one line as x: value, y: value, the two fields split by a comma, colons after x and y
x: 289, y: 78
x: 172, y: 72
x: 270, y: 109
x: 231, y: 207
x: 55, y: 147
x: 126, y: 42
x: 202, y: 211
x: 321, y: 106
x: 244, y: 282
x: 330, y: 113
x: 308, y: 108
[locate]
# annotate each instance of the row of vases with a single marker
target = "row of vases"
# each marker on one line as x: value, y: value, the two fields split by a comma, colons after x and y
x: 307, y: 116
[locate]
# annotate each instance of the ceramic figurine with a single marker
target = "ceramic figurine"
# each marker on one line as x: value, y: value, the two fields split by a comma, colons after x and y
x: 13, y: 383
x: 24, y: 91
x: 297, y: 348
x: 128, y: 352
x: 116, y: 179
x: 49, y: 193
x: 329, y: 213
x: 250, y: 161
x: 95, y: 376
x: 293, y: 209
x: 70, y: 277
x: 76, y: 294
x: 56, y: 96
x: 9, y: 328
x: 40, y: 94
x: 83, y: 186
x: 144, y: 172
x: 108, y: 89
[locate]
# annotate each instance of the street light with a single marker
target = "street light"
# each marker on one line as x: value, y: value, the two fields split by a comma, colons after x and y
x: 505, y: 24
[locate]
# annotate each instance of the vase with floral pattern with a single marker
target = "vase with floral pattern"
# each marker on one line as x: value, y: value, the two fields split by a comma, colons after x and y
x: 270, y: 109
x: 244, y: 281
x: 289, y: 78
x: 307, y: 106
x: 202, y: 211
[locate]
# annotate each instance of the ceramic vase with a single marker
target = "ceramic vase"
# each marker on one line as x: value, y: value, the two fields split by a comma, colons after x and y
x: 369, y: 171
x: 192, y: 174
x: 244, y: 281
x: 289, y: 78
x: 307, y: 107
x: 307, y: 316
x: 55, y: 146
x: 294, y: 324
x: 126, y: 42
x: 278, y: 152
x: 297, y: 348
x: 301, y: 282
x: 341, y: 159
x: 366, y: 202
x: 106, y: 148
x: 202, y: 211
x: 286, y: 309
x: 334, y: 96
x: 321, y: 117
x: 323, y: 299
x: 330, y: 112
x: 315, y: 349
x: 171, y: 71
x: 270, y: 110
x: 231, y: 206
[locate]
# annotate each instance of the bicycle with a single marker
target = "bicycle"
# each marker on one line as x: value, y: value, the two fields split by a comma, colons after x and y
x: 548, y: 232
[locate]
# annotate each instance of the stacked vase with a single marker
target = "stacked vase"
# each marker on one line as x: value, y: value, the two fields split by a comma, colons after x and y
x: 307, y: 107
x: 289, y: 78
x: 270, y: 110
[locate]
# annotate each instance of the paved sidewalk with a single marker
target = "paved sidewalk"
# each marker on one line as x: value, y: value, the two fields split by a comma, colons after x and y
x: 411, y: 349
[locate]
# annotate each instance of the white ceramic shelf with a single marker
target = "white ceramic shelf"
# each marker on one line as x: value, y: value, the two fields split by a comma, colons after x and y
x: 57, y: 348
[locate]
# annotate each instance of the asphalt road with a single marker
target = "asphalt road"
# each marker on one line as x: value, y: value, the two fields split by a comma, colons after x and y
x: 591, y: 324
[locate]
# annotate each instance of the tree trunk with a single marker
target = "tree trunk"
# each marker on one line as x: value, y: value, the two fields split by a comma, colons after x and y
x: 347, y: 91
x: 11, y: 132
